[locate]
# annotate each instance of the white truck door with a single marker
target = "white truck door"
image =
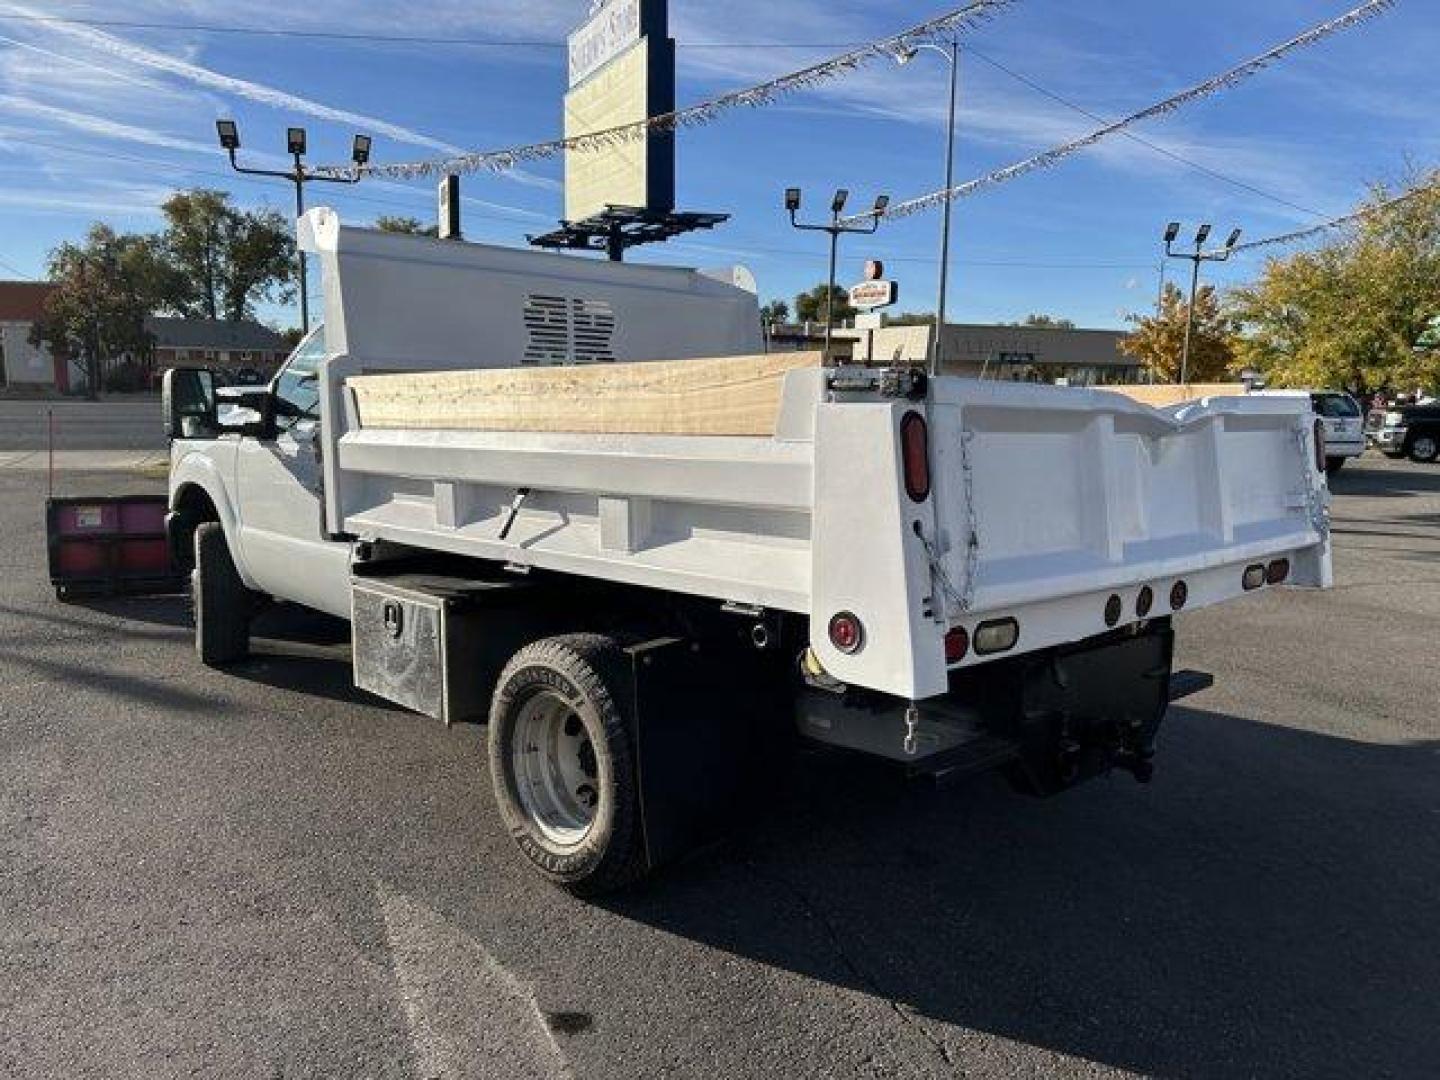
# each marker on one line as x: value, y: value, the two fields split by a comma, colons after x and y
x: 278, y: 481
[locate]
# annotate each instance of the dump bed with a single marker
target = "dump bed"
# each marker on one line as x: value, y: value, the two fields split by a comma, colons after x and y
x: 921, y: 509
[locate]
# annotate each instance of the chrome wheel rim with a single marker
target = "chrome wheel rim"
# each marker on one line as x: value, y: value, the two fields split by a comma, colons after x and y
x: 557, y: 774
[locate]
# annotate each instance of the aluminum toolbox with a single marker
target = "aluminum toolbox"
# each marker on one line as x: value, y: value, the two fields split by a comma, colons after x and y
x: 421, y: 641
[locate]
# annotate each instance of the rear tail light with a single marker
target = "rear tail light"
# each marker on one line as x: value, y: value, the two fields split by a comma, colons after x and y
x: 1145, y: 601
x: 1320, y: 445
x: 998, y: 636
x: 1254, y: 578
x: 1278, y: 572
x: 957, y: 645
x: 915, y: 453
x: 1179, y: 595
x: 847, y: 633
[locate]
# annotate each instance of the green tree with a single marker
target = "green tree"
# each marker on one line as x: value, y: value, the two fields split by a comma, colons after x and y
x: 104, y: 289
x: 1158, y: 341
x: 776, y: 311
x: 1355, y: 312
x: 1045, y: 322
x: 810, y: 306
x: 910, y: 318
x: 225, y: 260
x: 409, y: 226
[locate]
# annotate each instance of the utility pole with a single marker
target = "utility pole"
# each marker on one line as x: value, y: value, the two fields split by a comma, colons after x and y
x: 836, y: 229
x: 1198, y: 256
x: 295, y: 141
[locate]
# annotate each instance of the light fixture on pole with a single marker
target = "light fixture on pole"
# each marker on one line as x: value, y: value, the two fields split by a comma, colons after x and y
x: 1196, y: 257
x: 296, y: 142
x: 836, y: 228
x: 952, y: 55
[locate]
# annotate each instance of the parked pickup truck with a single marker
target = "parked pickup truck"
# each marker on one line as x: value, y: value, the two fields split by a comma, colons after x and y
x: 1409, y: 431
x: 942, y: 572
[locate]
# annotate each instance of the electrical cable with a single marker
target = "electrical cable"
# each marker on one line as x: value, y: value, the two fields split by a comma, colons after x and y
x: 1157, y: 148
x: 1048, y: 158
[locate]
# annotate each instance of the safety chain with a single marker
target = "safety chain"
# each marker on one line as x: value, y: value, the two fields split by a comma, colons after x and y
x: 972, y: 524
x: 963, y: 600
x: 1315, y: 504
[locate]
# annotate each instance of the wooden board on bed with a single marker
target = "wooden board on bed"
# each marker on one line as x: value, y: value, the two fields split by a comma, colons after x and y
x: 735, y: 395
x: 1160, y: 395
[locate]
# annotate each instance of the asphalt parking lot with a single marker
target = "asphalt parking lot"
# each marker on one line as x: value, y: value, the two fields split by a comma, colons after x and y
x: 266, y: 873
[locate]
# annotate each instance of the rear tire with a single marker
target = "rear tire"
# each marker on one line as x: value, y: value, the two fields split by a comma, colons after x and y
x: 1425, y: 449
x: 562, y: 763
x: 222, y: 602
x: 1333, y: 465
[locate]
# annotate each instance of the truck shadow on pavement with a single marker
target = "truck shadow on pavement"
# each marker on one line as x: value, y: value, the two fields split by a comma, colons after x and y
x: 1266, y: 907
x: 1374, y: 481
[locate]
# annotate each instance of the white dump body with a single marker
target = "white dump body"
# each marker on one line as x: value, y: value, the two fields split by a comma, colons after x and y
x: 1045, y: 502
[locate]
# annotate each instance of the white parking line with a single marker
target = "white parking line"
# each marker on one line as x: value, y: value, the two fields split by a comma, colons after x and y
x: 466, y: 1014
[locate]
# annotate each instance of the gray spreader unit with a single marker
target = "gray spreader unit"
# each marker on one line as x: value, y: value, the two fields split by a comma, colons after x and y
x: 420, y: 641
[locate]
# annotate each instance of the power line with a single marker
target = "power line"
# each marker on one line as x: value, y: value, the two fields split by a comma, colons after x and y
x: 1214, y: 174
x: 1225, y: 80
x: 15, y: 270
x: 383, y: 39
x: 950, y: 24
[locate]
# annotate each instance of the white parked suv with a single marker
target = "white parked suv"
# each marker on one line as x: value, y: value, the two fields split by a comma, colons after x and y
x: 1344, y: 423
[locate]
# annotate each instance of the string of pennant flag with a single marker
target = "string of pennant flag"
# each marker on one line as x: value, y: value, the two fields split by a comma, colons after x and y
x: 1048, y: 158
x: 944, y: 27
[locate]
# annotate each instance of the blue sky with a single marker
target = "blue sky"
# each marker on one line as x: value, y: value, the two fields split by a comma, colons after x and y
x: 101, y: 123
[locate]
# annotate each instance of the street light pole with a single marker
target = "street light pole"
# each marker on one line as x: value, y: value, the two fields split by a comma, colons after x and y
x: 1198, y: 256
x: 295, y: 138
x: 951, y: 56
x: 837, y: 228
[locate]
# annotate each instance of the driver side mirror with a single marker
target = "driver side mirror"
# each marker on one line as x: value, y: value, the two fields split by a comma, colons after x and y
x: 188, y: 400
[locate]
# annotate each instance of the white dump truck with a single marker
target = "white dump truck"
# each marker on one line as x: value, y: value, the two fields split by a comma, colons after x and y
x: 641, y: 570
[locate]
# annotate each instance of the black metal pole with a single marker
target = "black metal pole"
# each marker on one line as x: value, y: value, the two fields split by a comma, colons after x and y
x: 830, y: 293
x: 300, y: 251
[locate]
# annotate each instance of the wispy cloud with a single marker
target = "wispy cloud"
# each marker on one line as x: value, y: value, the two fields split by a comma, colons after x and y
x: 141, y: 56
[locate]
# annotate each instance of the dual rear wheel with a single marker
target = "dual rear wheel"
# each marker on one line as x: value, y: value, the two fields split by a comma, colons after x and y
x: 562, y: 762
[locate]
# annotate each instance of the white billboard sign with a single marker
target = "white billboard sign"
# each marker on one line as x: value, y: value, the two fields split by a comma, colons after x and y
x: 613, y: 28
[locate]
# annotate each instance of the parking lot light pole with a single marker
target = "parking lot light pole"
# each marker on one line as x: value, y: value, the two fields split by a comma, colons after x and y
x: 952, y: 57
x: 836, y: 228
x: 295, y: 142
x: 1198, y: 256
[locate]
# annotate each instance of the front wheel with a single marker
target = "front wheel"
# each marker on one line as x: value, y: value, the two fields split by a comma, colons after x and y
x: 222, y: 602
x: 562, y: 762
x: 1425, y: 449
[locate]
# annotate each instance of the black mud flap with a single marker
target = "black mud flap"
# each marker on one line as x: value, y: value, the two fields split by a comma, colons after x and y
x: 704, y: 725
x: 1076, y: 713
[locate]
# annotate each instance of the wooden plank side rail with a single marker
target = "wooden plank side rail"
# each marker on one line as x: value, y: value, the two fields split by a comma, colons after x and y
x: 1161, y: 395
x: 734, y: 395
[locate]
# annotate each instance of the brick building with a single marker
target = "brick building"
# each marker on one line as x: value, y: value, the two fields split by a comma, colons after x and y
x: 22, y: 365
x: 217, y: 343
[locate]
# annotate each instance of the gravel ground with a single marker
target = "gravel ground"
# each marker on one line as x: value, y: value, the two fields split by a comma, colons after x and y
x: 266, y: 873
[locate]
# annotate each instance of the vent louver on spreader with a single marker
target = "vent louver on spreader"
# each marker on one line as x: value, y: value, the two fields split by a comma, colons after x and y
x: 567, y: 330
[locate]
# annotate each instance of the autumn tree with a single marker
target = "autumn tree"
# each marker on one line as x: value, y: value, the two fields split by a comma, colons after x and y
x: 224, y: 259
x: 1354, y: 313
x: 1158, y: 341
x: 104, y: 289
x: 810, y: 306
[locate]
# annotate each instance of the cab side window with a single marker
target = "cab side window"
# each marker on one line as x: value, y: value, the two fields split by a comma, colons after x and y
x: 297, y: 387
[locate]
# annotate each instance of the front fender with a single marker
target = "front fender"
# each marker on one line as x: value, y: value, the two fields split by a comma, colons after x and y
x: 194, y: 468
